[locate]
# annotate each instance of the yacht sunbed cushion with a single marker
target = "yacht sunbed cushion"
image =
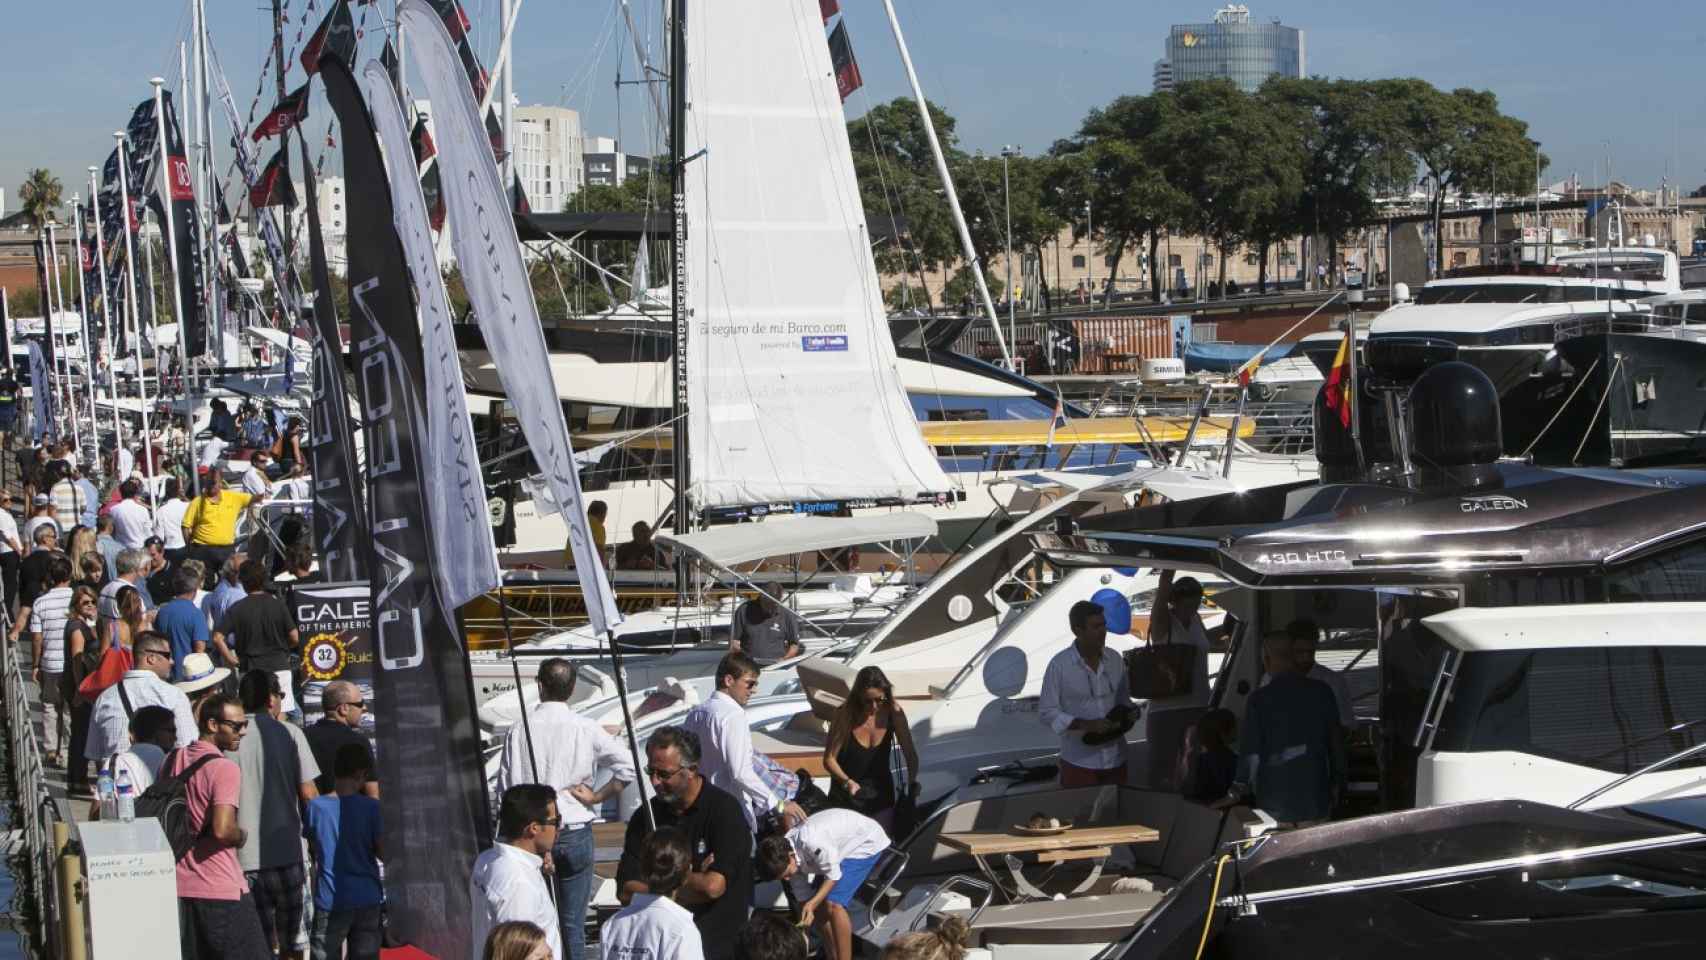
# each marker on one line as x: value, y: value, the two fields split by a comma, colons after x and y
x: 1078, y: 920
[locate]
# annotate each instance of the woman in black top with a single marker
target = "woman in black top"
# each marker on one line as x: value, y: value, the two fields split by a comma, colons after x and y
x: 82, y: 656
x: 868, y: 727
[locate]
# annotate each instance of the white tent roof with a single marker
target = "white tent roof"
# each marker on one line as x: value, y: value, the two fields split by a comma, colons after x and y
x: 745, y: 542
x: 1477, y: 629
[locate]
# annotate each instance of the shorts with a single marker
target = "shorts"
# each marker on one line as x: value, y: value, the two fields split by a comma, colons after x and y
x: 280, y: 899
x: 853, y: 873
x: 221, y: 930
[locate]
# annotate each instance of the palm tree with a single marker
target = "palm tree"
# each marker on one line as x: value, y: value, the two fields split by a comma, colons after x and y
x: 41, y: 194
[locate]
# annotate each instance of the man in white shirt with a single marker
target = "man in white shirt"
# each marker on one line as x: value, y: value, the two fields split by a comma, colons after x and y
x: 255, y: 481
x: 508, y: 882
x: 839, y: 848
x: 169, y: 520
x: 211, y: 451
x: 132, y: 526
x: 653, y: 926
x: 1081, y: 689
x: 48, y: 615
x: 725, y: 739
x: 570, y: 749
x: 11, y: 550
x: 109, y: 725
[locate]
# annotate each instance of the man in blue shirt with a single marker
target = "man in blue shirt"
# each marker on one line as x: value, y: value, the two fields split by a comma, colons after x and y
x: 91, y: 496
x: 344, y: 828
x: 182, y: 621
x: 107, y: 544
x: 1292, y: 761
x: 226, y: 592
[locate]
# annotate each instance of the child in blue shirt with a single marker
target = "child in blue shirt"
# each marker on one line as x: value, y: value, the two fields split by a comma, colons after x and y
x: 344, y: 828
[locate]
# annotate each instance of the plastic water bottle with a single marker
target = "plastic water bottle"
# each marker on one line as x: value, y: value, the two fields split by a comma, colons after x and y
x: 126, y: 792
x: 105, y: 792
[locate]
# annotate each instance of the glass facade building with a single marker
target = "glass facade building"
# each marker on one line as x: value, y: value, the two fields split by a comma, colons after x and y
x: 1234, y: 48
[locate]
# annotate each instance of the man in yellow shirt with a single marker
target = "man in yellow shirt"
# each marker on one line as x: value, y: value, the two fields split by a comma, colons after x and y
x: 210, y: 522
x: 596, y: 511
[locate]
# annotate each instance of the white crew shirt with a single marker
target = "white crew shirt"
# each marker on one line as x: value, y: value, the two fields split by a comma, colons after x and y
x: 725, y: 749
x: 506, y: 885
x: 8, y: 532
x: 650, y: 927
x: 832, y: 836
x: 132, y: 526
x: 255, y: 482
x: 126, y: 462
x: 169, y: 523
x: 1072, y: 691
x: 211, y: 452
x: 571, y: 748
x: 109, y: 727
x: 142, y: 761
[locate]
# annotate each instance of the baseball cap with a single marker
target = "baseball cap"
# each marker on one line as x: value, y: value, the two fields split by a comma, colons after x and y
x: 43, y: 500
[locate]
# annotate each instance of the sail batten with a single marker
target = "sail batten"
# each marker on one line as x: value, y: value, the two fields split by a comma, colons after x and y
x: 795, y: 392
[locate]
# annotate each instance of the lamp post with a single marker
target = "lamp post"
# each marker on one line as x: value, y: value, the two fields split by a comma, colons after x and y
x: 1007, y: 202
x: 1090, y: 254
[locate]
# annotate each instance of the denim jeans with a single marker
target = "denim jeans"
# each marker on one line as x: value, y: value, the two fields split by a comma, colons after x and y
x: 572, y: 857
x: 359, y: 928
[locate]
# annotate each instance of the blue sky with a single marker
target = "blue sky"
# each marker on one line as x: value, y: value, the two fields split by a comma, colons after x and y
x: 1013, y: 71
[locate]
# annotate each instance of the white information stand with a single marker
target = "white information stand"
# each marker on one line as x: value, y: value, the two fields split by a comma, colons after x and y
x: 133, y: 889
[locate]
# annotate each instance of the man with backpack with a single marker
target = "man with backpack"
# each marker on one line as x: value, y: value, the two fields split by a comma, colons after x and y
x: 196, y: 799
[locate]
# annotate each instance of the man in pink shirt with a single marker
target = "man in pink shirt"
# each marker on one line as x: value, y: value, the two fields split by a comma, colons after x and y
x: 216, y: 915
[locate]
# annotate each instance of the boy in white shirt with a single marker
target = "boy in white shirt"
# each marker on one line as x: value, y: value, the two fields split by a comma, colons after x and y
x: 653, y: 926
x: 839, y: 847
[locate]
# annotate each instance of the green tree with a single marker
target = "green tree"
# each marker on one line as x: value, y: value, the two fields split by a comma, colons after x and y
x: 897, y: 179
x: 1113, y: 169
x: 41, y: 195
x: 1238, y: 162
x: 1462, y: 142
x: 1027, y: 191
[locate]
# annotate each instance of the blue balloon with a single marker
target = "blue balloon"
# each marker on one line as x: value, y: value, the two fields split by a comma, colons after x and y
x: 1116, y: 609
x: 1126, y: 571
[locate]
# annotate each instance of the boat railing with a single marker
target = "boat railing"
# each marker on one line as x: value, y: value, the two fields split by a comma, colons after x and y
x: 1643, y: 322
x: 40, y: 831
x: 1654, y: 767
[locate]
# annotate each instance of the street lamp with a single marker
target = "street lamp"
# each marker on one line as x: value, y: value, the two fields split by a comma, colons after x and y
x: 1090, y: 254
x: 1007, y: 201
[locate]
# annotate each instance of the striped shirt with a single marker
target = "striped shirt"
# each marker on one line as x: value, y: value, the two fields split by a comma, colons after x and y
x: 48, y: 616
x: 69, y: 502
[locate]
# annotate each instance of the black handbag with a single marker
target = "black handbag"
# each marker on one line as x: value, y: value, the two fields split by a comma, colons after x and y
x: 1158, y: 671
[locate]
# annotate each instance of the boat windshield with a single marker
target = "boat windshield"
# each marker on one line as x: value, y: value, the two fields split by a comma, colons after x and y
x: 1615, y: 709
x: 1519, y: 292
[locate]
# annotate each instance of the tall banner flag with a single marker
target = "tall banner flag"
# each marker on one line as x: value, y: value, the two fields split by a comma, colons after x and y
x: 41, y: 388
x: 432, y: 189
x: 335, y: 36
x: 847, y: 77
x: 5, y: 331
x: 490, y: 255
x: 41, y: 392
x: 434, y: 793
x: 290, y: 112
x: 465, y: 558
x: 284, y: 274
x: 271, y: 187
x: 186, y: 232
x: 339, y: 513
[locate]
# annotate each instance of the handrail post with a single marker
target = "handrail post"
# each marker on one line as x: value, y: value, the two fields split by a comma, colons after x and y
x: 69, y: 867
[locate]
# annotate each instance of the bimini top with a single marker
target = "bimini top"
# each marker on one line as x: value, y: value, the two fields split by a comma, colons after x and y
x: 744, y: 542
x: 1369, y: 534
x: 1576, y: 625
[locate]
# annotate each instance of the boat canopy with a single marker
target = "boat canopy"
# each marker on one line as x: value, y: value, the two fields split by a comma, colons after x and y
x: 744, y: 542
x: 1228, y: 357
x: 1079, y: 430
x: 1550, y: 627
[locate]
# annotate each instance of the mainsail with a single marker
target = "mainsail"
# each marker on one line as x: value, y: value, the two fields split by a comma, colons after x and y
x: 794, y: 389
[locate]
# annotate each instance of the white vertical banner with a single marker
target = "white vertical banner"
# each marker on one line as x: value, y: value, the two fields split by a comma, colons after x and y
x: 482, y: 232
x: 465, y: 559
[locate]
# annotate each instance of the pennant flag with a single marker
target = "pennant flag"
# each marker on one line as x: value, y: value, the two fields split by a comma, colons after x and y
x: 224, y: 211
x: 1339, y: 381
x: 272, y: 188
x: 421, y: 139
x: 433, y: 192
x: 335, y: 35
x: 1057, y: 420
x: 478, y: 78
x: 185, y: 232
x: 450, y: 11
x: 393, y: 67
x: 292, y: 110
x: 847, y: 77
x: 828, y: 8
x: 521, y: 204
x: 428, y: 734
x: 1248, y: 370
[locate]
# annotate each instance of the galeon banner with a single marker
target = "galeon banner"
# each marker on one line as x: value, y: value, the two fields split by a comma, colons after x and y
x: 434, y: 787
x: 335, y: 621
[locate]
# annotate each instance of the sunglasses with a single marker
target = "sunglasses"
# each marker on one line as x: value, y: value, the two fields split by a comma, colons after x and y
x: 657, y: 774
x: 237, y: 725
x: 358, y: 704
x: 552, y: 822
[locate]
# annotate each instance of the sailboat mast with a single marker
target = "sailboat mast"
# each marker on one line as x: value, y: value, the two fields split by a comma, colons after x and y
x: 678, y: 278
x: 948, y: 186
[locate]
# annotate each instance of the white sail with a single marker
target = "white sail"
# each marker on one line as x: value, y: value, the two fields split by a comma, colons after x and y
x: 794, y: 388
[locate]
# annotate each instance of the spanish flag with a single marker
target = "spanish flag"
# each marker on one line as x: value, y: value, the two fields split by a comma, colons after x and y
x: 1339, y: 381
x: 1249, y: 368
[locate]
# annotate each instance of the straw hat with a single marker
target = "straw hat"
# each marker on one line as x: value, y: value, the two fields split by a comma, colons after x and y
x: 200, y: 673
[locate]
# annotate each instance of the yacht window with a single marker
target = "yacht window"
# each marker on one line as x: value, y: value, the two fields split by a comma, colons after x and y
x: 1609, y: 708
x: 1678, y: 574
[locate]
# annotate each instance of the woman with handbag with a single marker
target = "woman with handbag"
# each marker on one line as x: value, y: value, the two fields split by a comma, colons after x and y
x: 82, y: 658
x: 1175, y: 620
x: 870, y: 742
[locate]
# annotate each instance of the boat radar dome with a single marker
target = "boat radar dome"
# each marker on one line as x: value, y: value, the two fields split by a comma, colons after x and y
x: 1454, y: 428
x: 1400, y: 293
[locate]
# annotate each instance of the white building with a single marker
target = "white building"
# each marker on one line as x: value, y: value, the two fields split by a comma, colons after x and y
x: 547, y: 154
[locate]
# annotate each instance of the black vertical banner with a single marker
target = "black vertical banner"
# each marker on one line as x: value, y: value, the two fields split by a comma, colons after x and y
x: 186, y: 232
x: 432, y: 779
x: 5, y: 330
x: 43, y: 252
x: 339, y: 513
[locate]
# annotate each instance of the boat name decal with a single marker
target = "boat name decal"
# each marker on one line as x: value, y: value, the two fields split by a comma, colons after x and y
x: 1286, y: 558
x: 1496, y: 501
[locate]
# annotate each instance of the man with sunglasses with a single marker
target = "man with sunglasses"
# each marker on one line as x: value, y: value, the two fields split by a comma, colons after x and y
x: 216, y: 912
x: 143, y: 685
x: 343, y: 706
x: 508, y: 881
x: 718, y: 888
